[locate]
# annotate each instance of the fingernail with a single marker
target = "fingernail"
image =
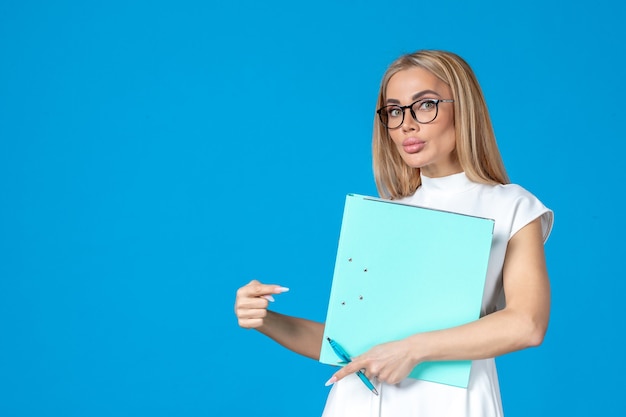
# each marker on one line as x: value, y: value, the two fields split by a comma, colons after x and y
x: 331, y: 381
x: 281, y: 290
x: 268, y: 297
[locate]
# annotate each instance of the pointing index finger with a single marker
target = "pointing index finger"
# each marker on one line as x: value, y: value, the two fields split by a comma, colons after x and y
x: 261, y: 290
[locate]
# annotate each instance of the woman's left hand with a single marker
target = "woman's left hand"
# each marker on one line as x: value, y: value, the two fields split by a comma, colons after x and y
x: 389, y: 362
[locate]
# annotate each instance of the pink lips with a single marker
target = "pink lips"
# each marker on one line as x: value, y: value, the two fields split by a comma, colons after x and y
x: 413, y: 145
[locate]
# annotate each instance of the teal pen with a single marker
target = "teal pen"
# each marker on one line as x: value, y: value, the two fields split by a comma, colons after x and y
x: 346, y: 358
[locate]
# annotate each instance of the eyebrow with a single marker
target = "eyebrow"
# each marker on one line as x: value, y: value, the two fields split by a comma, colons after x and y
x: 415, y: 96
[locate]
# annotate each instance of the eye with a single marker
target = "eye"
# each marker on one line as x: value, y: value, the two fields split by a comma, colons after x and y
x: 394, y: 111
x: 427, y: 105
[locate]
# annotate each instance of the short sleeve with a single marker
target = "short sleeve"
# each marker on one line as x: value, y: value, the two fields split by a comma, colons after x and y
x: 528, y: 208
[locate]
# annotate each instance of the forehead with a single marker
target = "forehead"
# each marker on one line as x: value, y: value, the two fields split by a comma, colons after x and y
x: 404, y: 84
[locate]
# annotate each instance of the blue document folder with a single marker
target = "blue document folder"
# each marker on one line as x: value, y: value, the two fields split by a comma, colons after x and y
x: 402, y: 270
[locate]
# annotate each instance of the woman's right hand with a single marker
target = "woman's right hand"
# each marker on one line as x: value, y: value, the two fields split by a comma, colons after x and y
x: 252, y: 301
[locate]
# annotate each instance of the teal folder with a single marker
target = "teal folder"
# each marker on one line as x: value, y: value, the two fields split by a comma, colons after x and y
x: 402, y: 270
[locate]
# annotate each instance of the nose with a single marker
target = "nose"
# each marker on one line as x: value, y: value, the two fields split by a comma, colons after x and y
x: 409, y: 123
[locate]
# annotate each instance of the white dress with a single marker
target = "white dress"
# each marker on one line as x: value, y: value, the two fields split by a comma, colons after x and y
x: 512, y: 207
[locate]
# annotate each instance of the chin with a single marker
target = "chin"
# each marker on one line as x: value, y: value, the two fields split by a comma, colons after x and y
x: 413, y: 162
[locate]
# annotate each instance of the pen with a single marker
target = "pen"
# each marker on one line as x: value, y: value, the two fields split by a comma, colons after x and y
x: 346, y: 358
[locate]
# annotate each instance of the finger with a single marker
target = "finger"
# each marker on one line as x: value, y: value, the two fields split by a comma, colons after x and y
x: 369, y: 375
x: 250, y: 323
x: 255, y: 289
x: 259, y: 313
x: 248, y: 303
x: 342, y: 373
x: 251, y: 318
x: 369, y: 369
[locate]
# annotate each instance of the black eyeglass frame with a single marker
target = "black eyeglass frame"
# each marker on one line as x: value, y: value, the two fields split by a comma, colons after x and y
x: 410, y: 107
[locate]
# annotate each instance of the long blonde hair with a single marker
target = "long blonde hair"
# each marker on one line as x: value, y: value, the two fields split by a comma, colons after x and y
x: 476, y: 146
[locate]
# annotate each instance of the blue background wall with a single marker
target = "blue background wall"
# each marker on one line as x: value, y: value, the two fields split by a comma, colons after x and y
x: 155, y: 156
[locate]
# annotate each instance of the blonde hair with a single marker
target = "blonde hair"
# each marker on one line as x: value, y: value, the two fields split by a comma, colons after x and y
x: 476, y: 147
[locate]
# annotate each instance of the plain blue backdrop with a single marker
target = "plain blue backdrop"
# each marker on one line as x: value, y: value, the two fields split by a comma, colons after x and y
x: 157, y: 155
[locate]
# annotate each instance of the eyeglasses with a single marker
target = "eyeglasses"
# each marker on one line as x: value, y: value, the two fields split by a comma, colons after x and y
x: 423, y: 111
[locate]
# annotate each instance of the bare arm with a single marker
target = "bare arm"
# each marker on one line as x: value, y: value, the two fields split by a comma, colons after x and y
x: 299, y: 335
x: 521, y: 324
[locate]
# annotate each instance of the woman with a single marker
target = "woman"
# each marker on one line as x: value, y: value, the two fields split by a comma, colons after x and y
x: 433, y: 146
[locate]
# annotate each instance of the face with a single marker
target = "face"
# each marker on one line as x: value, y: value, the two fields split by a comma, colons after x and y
x: 429, y: 146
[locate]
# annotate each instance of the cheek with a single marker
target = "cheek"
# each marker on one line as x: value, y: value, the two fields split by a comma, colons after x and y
x: 451, y: 127
x: 396, y: 138
x: 450, y: 135
x: 395, y: 144
x: 447, y: 133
